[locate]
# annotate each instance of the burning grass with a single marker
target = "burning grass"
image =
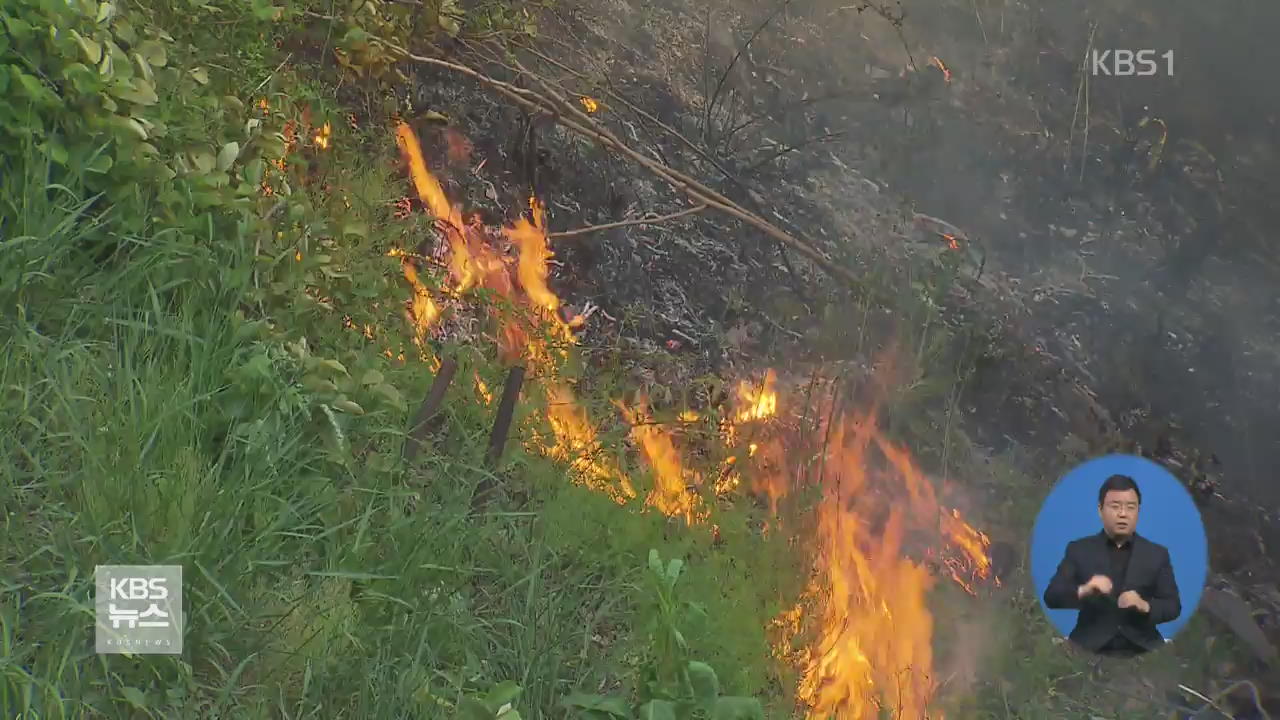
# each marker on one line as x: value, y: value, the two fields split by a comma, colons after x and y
x: 862, y: 636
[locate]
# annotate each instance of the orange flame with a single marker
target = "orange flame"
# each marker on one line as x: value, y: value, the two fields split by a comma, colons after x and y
x: 758, y: 402
x: 322, y: 137
x: 577, y: 444
x: 673, y: 485
x: 430, y: 191
x: 423, y: 310
x: 531, y: 238
x: 873, y: 650
x: 935, y: 61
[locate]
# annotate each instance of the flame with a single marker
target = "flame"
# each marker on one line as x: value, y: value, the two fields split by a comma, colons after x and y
x: 423, y: 310
x: 935, y: 61
x: 322, y: 138
x: 589, y: 104
x: 531, y: 237
x: 758, y: 402
x: 577, y: 445
x: 872, y: 652
x: 430, y: 191
x: 673, y: 485
x: 483, y: 390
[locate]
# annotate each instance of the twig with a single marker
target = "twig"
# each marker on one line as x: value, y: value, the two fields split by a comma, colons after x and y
x: 1084, y: 149
x: 825, y: 137
x: 715, y: 95
x: 784, y: 109
x: 272, y: 74
x: 625, y: 223
x: 699, y: 151
x: 981, y: 27
x: 569, y: 116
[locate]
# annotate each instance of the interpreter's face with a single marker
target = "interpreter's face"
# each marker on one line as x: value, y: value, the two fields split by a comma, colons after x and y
x: 1119, y: 512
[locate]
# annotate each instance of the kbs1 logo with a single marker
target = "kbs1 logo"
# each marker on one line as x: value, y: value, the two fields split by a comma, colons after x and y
x: 1128, y: 63
x: 138, y: 609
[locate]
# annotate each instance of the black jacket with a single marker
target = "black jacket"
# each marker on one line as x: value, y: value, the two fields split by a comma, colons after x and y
x: 1149, y: 572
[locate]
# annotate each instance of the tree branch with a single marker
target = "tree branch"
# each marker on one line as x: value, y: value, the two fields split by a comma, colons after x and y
x: 625, y: 223
x: 569, y: 116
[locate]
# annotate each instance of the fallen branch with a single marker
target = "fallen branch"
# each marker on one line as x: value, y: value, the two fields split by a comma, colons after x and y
x: 625, y: 223
x: 568, y: 116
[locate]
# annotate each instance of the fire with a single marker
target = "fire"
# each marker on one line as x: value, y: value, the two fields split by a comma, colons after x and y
x: 531, y: 237
x: 430, y: 191
x: 674, y: 485
x: 758, y: 402
x: 952, y: 241
x: 482, y: 389
x: 872, y: 652
x: 935, y: 61
x: 322, y: 137
x: 577, y: 445
x: 423, y: 310
x: 589, y: 104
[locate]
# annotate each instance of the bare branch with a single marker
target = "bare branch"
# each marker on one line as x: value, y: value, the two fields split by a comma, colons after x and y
x: 625, y: 223
x: 715, y: 95
x: 568, y: 115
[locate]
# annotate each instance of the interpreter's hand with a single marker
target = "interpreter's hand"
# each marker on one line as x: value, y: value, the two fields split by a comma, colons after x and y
x: 1131, y: 599
x: 1097, y: 585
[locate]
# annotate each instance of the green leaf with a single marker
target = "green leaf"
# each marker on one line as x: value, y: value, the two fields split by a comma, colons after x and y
x: 81, y: 77
x: 100, y: 164
x: 355, y: 229
x: 253, y: 171
x: 200, y: 75
x: 371, y: 377
x: 347, y: 406
x: 227, y: 156
x: 737, y: 708
x: 328, y: 364
x: 673, y: 571
x: 34, y: 89
x: 134, y: 697
x: 658, y: 710
x: 501, y: 694
x: 390, y: 395
x: 56, y: 151
x: 124, y: 30
x: 706, y: 686
x: 133, y: 127
x: 153, y: 52
x: 144, y: 69
x: 137, y: 91
x: 204, y: 162
x: 613, y: 706
x: 92, y: 50
x: 355, y: 36
x: 655, y: 563
x: 472, y: 709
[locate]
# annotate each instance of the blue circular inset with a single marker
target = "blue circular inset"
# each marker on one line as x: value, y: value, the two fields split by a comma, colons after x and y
x: 1168, y: 516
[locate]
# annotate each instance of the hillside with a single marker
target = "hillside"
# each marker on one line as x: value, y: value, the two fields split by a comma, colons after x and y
x: 502, y: 360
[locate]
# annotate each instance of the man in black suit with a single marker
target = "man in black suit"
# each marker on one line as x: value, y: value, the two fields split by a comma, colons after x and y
x: 1121, y: 583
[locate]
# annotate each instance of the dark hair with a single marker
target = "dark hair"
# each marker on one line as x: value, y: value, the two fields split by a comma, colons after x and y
x: 1118, y: 483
